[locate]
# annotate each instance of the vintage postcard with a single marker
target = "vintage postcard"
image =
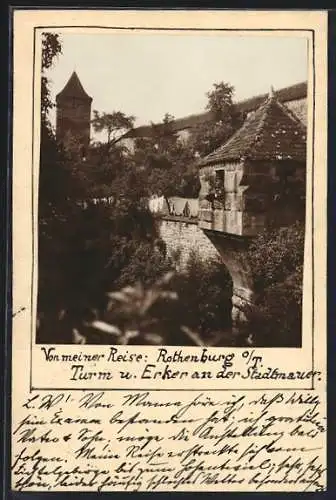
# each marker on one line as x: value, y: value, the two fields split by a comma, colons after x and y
x: 169, y: 251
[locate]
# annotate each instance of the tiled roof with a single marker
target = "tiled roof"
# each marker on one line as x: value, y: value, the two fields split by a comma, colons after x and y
x: 292, y: 93
x: 74, y: 88
x: 271, y: 132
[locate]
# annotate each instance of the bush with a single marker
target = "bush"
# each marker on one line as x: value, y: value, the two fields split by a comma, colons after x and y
x: 205, y: 291
x: 277, y: 266
x: 144, y: 312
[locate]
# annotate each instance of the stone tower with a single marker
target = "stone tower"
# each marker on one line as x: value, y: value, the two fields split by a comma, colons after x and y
x: 73, y: 113
x: 254, y: 181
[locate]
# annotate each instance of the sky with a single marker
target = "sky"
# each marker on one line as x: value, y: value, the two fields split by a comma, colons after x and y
x: 148, y: 75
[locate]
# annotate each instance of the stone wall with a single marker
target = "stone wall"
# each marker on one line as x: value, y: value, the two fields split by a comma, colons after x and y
x: 185, y: 235
x: 299, y: 108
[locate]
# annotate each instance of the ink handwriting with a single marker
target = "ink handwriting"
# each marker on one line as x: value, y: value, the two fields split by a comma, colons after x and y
x: 144, y: 442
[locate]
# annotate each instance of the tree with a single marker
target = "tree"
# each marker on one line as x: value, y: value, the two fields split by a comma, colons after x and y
x: 115, y: 125
x: 170, y: 163
x: 87, y: 251
x: 220, y: 100
x: 142, y: 312
x: 224, y: 121
x: 88, y: 247
x: 166, y: 161
x: 106, y: 160
x: 56, y: 186
x: 56, y: 182
x: 276, y: 262
x: 205, y: 290
x: 82, y: 251
x: 51, y: 49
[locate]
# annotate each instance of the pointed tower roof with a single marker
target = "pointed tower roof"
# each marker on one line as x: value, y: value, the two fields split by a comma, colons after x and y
x: 74, y: 88
x: 272, y: 132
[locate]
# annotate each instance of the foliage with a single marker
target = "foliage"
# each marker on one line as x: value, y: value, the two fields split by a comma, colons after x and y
x: 205, y: 290
x: 166, y: 161
x: 170, y: 162
x: 160, y: 305
x: 51, y: 49
x: 147, y: 264
x: 91, y: 245
x: 277, y: 266
x: 129, y: 316
x: 57, y: 184
x: 83, y: 245
x: 101, y: 264
x: 225, y: 120
x: 115, y: 125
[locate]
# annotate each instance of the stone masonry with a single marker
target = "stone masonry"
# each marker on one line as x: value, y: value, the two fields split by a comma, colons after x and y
x: 185, y: 236
x: 254, y: 181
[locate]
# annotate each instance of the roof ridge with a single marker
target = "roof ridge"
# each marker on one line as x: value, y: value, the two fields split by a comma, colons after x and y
x: 230, y: 139
x: 263, y: 108
x: 263, y: 111
x: 267, y: 120
x: 246, y: 105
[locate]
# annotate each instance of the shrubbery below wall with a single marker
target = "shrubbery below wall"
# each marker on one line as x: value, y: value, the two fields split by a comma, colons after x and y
x: 201, y: 290
x: 193, y: 306
x: 276, y: 260
x: 196, y: 300
x: 205, y: 291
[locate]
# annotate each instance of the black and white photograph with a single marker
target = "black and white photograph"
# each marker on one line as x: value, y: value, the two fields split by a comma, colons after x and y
x: 169, y: 223
x: 172, y: 187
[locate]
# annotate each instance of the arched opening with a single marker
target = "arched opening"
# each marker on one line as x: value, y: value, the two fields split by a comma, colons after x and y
x: 204, y: 288
x: 232, y: 251
x: 222, y: 334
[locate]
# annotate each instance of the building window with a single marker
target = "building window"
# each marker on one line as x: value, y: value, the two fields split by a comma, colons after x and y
x: 219, y: 186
